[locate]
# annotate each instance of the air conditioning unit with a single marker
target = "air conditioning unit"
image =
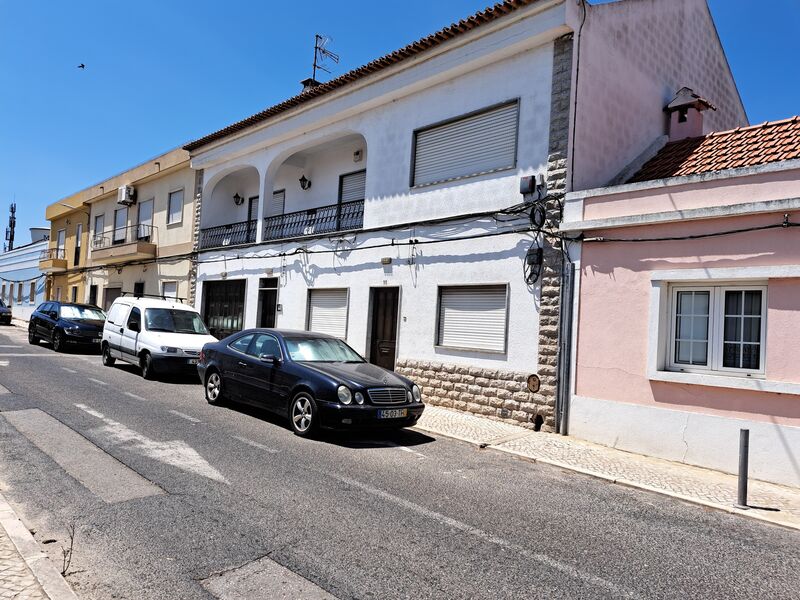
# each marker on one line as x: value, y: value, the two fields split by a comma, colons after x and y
x: 126, y: 195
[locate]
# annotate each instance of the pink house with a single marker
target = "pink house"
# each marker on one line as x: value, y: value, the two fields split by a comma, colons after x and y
x: 687, y: 313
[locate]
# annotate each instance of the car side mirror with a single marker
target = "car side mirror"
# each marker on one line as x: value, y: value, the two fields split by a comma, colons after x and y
x: 134, y: 327
x: 53, y: 315
x: 270, y: 358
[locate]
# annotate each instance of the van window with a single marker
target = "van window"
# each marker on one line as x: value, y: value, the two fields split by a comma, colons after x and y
x: 135, y: 318
x: 174, y: 321
x: 117, y: 313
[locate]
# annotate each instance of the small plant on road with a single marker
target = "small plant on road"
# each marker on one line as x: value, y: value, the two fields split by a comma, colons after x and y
x: 66, y: 553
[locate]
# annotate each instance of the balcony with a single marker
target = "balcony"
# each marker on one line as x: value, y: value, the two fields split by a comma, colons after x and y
x: 232, y: 234
x: 124, y: 244
x: 53, y: 260
x: 346, y: 216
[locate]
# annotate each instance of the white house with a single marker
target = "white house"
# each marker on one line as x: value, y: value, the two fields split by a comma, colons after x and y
x: 22, y: 284
x: 385, y: 206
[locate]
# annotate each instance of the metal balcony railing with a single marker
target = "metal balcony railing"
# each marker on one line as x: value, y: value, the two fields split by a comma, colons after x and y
x: 228, y: 235
x: 124, y: 235
x: 53, y: 254
x: 346, y: 216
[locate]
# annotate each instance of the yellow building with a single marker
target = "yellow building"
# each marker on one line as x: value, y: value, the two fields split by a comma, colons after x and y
x: 64, y: 261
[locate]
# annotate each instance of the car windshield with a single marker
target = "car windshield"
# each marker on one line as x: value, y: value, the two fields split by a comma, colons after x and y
x: 2, y: 304
x: 174, y: 321
x: 321, y: 350
x: 81, y: 313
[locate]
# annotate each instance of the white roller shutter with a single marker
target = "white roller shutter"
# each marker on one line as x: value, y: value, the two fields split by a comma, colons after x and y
x: 480, y: 143
x: 277, y: 205
x: 327, y: 312
x: 473, y: 317
x: 353, y: 186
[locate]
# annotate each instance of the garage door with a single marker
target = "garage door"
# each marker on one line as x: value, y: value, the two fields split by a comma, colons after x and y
x: 327, y: 312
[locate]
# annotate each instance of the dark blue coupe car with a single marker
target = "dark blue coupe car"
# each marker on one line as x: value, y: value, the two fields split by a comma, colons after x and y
x: 315, y: 380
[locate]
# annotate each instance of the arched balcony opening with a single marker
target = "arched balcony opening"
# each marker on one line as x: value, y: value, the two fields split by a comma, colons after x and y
x: 318, y: 190
x: 230, y: 212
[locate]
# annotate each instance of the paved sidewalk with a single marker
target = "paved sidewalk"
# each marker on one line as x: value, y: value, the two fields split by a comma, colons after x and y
x: 25, y: 571
x: 769, y: 502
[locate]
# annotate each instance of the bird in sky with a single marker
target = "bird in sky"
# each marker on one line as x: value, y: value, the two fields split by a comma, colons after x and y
x: 81, y: 66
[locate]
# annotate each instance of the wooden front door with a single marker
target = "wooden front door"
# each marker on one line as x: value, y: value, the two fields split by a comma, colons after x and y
x: 383, y: 346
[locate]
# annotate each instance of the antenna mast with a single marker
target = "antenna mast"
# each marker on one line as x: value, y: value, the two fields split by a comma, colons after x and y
x: 321, y: 54
x: 12, y: 223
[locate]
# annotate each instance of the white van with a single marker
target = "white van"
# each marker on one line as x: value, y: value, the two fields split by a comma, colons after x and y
x: 159, y: 336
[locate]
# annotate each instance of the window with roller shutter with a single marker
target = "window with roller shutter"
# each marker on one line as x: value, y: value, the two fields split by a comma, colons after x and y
x: 352, y: 186
x: 473, y: 317
x: 474, y: 144
x: 327, y: 312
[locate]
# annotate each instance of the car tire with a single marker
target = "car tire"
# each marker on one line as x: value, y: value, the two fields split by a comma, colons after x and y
x: 215, y: 392
x: 108, y: 360
x: 58, y: 341
x: 146, y: 364
x: 303, y: 415
x: 33, y: 339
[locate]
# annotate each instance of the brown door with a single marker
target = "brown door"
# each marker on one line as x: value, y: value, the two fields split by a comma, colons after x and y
x: 109, y: 295
x: 383, y: 348
x: 223, y: 306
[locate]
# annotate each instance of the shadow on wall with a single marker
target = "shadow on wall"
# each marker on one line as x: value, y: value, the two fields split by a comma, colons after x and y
x: 787, y: 448
x: 725, y: 399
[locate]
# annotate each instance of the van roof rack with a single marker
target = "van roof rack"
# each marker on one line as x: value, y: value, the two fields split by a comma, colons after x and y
x: 161, y: 296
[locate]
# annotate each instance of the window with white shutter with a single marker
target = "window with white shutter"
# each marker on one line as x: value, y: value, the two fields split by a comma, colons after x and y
x: 327, y: 312
x: 473, y: 317
x: 477, y: 143
x: 278, y: 203
x: 352, y: 186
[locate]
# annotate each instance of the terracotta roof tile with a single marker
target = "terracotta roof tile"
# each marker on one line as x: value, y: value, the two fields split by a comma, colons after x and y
x: 487, y: 15
x: 742, y: 147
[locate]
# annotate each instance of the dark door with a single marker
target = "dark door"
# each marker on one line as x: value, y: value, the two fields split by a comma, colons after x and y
x: 109, y: 295
x: 43, y: 320
x: 265, y: 382
x: 267, y: 301
x: 252, y: 218
x: 223, y: 306
x: 383, y: 348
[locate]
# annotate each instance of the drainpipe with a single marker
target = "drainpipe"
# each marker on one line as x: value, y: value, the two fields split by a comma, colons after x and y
x: 566, y: 298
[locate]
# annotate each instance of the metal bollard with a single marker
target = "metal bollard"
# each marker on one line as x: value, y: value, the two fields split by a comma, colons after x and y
x: 744, y: 463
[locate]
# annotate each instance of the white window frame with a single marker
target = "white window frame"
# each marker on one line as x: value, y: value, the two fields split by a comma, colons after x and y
x: 164, y: 285
x: 716, y: 327
x: 183, y: 200
x: 437, y: 325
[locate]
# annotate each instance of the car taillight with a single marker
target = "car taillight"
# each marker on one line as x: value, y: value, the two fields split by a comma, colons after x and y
x: 202, y: 356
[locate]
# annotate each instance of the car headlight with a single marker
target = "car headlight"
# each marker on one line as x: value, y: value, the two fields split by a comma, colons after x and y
x: 73, y: 329
x: 359, y: 398
x: 417, y: 393
x: 169, y: 349
x: 345, y: 395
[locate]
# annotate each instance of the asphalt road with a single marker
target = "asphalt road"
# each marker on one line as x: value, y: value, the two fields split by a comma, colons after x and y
x: 239, y: 506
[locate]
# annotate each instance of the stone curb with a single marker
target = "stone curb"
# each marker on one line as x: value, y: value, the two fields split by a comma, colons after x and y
x: 53, y: 584
x: 623, y: 482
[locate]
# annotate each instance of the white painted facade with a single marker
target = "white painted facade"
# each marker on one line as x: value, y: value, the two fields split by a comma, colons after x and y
x: 19, y: 270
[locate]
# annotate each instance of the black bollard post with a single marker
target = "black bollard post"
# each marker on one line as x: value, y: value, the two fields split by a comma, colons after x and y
x: 744, y: 460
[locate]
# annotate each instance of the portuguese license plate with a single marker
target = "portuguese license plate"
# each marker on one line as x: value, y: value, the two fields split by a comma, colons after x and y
x: 394, y: 413
x: 192, y: 361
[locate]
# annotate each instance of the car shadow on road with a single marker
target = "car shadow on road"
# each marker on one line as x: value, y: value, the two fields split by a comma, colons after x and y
x: 356, y: 440
x: 188, y: 377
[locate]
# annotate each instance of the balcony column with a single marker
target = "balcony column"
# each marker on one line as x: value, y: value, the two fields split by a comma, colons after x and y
x: 264, y: 189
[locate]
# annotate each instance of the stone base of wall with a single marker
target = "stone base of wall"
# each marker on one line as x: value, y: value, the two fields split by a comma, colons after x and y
x: 497, y: 394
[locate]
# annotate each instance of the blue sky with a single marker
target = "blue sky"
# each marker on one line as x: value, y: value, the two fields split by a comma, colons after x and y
x: 160, y: 73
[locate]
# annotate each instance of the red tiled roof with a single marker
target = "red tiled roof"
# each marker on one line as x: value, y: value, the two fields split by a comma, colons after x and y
x: 743, y: 147
x: 487, y: 15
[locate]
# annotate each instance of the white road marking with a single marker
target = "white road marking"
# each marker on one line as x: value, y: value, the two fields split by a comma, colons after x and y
x: 3, y: 363
x: 97, y: 381
x: 68, y: 370
x: 41, y: 354
x: 539, y: 557
x: 9, y: 346
x: 135, y: 396
x: 177, y: 413
x: 388, y: 444
x: 256, y: 445
x: 176, y: 453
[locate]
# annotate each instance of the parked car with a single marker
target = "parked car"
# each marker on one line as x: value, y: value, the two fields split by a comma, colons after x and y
x: 66, y: 324
x: 157, y: 335
x: 5, y: 313
x: 313, y: 379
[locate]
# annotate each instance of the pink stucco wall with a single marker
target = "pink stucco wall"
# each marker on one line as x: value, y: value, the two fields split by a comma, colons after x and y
x: 634, y: 56
x: 612, y: 350
x: 735, y: 190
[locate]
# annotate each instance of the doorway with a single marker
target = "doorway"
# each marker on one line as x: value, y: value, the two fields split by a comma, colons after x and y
x: 383, y: 331
x: 223, y: 306
x: 109, y: 295
x: 267, y: 301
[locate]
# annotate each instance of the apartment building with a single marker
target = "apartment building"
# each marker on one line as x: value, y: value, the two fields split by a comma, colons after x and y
x: 64, y: 260
x: 409, y: 205
x: 22, y: 283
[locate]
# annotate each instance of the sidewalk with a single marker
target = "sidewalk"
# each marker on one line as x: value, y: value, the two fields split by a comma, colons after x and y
x: 25, y: 571
x: 769, y: 502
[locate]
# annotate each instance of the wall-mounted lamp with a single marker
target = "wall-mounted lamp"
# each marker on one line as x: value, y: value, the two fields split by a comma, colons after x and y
x: 305, y: 183
x: 237, y: 199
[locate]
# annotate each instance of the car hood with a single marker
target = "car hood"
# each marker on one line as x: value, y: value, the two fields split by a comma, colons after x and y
x: 4, y: 310
x: 184, y: 341
x: 87, y: 325
x: 358, y: 374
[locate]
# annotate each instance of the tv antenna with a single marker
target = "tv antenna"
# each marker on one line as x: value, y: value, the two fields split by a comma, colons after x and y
x: 322, y: 54
x: 12, y: 224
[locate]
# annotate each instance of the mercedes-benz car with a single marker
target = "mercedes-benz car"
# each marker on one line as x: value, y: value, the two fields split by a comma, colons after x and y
x: 66, y: 323
x: 314, y: 380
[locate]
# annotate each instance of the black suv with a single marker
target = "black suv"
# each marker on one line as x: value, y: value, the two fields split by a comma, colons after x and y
x: 63, y: 323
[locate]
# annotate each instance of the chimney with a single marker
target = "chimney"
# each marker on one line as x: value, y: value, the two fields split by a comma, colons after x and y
x: 686, y: 115
x: 309, y: 83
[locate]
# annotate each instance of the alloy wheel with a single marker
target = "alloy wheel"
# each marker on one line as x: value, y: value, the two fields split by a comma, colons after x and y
x: 32, y: 339
x: 213, y: 388
x: 58, y: 341
x: 302, y: 414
